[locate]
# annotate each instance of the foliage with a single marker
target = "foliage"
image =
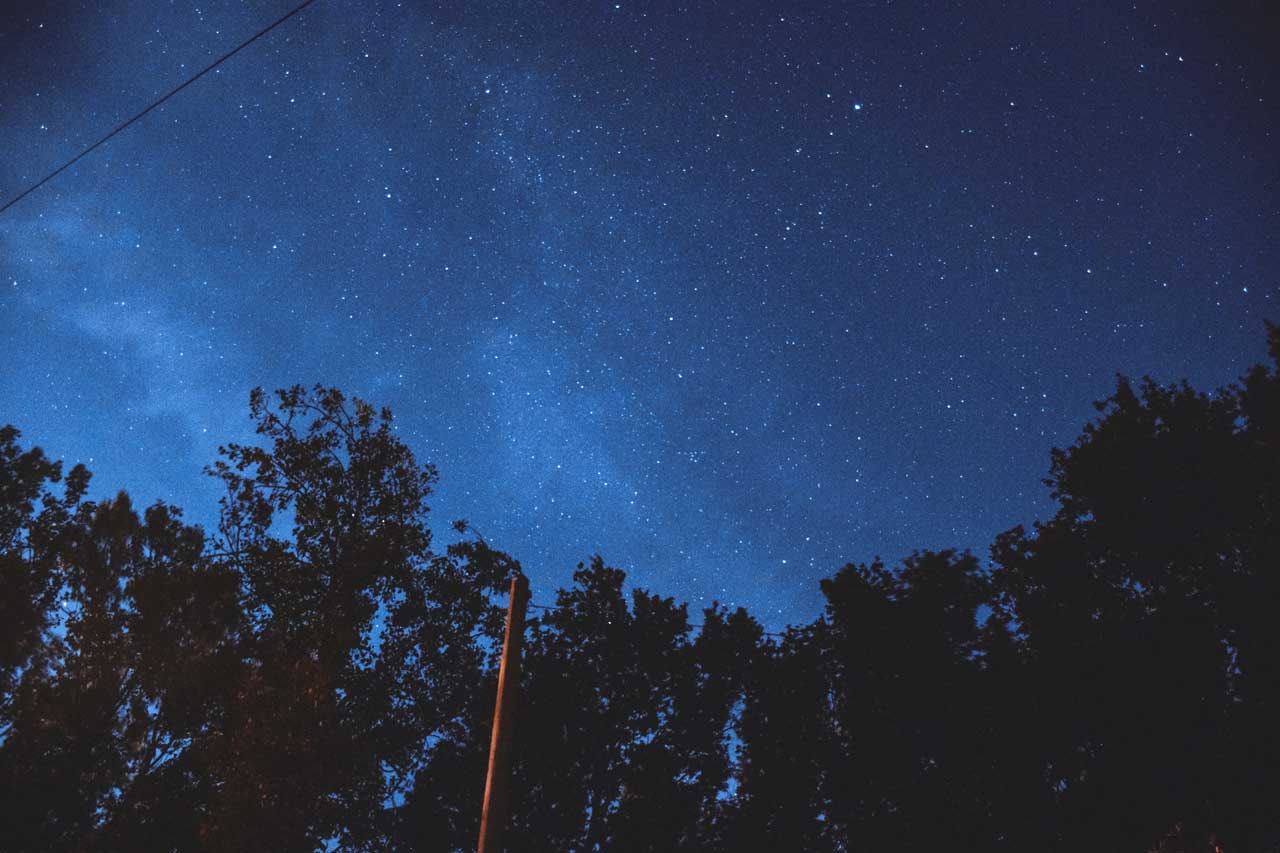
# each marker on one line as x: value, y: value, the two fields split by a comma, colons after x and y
x: 316, y: 676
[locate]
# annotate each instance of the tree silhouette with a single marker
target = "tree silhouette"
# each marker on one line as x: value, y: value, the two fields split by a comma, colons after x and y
x: 903, y: 654
x: 781, y: 799
x: 314, y: 675
x: 623, y: 741
x: 1135, y: 606
x: 262, y: 692
x: 130, y: 671
x: 363, y: 643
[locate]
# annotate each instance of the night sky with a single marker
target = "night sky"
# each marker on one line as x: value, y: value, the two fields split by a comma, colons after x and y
x: 731, y: 293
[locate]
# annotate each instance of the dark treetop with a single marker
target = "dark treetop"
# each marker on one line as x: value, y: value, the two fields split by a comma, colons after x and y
x: 315, y: 675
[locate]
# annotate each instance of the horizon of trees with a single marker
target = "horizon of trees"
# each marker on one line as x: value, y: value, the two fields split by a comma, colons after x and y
x: 1109, y: 680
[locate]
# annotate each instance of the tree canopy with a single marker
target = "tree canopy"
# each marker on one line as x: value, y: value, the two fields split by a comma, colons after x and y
x: 315, y: 675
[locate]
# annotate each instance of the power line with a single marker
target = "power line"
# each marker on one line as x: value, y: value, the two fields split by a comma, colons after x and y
x: 691, y: 624
x: 155, y: 104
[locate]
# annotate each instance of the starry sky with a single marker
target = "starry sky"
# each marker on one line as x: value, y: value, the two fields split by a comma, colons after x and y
x: 732, y: 293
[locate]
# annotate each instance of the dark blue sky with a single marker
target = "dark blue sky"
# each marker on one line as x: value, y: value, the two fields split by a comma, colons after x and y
x: 731, y: 293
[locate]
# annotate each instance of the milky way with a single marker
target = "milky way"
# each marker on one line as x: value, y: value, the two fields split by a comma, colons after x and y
x: 730, y: 293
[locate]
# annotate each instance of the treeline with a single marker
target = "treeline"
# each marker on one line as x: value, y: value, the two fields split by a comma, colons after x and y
x: 1109, y: 680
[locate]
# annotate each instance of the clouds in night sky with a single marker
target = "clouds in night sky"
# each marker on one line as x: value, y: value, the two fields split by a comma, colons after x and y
x: 731, y: 293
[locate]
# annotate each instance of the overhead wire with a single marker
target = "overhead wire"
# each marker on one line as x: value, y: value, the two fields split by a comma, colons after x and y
x: 691, y: 624
x: 11, y: 202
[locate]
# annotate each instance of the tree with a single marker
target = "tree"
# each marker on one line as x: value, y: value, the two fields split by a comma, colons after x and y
x: 259, y: 692
x: 623, y: 735
x: 363, y: 644
x: 911, y: 716
x: 1145, y: 608
x: 316, y: 675
x: 128, y: 674
x: 29, y: 567
x: 781, y: 799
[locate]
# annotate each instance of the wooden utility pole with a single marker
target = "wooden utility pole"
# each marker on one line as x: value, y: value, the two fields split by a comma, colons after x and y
x: 493, y: 820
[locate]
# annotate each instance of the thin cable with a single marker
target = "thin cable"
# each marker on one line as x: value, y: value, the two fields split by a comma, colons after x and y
x: 691, y: 624
x: 155, y: 104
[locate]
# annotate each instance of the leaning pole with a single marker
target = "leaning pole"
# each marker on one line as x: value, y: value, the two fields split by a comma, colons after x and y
x: 493, y: 819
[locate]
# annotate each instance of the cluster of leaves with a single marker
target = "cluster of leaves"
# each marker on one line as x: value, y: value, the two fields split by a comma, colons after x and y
x: 315, y: 676
x: 256, y: 692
